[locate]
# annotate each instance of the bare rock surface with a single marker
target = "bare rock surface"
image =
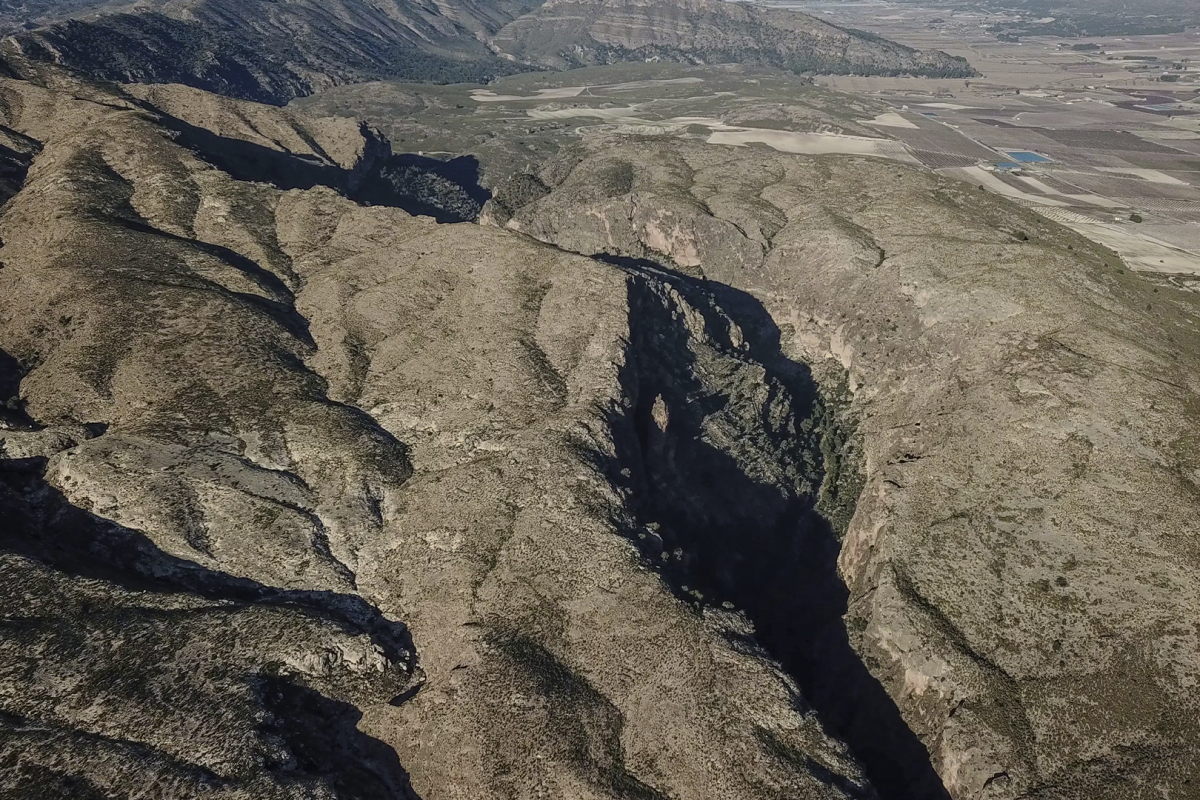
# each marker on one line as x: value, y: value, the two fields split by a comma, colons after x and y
x: 1023, y: 560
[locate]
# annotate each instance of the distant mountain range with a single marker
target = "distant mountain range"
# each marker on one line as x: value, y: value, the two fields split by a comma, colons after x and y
x: 275, y: 51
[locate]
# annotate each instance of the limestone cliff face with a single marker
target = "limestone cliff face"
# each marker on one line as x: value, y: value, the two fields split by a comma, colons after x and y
x: 564, y: 33
x: 1020, y: 560
x: 310, y: 499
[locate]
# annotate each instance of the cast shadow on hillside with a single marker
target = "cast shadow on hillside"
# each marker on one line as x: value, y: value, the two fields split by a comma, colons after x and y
x: 323, y: 735
x: 48, y: 528
x: 729, y: 537
x: 448, y: 191
x: 12, y: 410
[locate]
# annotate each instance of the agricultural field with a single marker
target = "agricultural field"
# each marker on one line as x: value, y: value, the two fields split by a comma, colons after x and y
x: 515, y: 123
x: 1100, y: 134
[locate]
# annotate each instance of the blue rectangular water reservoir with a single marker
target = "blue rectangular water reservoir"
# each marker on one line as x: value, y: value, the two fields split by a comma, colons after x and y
x: 1026, y: 157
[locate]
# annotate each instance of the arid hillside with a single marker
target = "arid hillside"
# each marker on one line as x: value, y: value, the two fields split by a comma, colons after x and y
x: 312, y: 499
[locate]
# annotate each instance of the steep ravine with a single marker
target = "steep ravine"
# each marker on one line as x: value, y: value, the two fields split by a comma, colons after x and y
x: 1023, y: 615
x: 719, y: 452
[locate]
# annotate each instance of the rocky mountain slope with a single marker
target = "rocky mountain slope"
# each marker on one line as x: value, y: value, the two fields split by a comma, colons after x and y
x: 273, y: 52
x: 26, y: 14
x: 311, y: 499
x: 572, y: 33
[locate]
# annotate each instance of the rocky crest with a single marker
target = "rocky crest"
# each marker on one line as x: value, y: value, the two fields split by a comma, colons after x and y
x: 273, y: 52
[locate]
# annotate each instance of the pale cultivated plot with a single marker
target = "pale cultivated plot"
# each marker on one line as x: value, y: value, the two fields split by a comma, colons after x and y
x: 1048, y: 196
x: 812, y: 143
x: 990, y: 181
x: 783, y: 141
x: 890, y: 119
x: 623, y: 115
x: 1186, y: 124
x: 1139, y: 250
x: 630, y: 86
x: 861, y: 84
x: 1037, y: 185
x: 1184, y: 235
x: 1093, y: 200
x: 1151, y: 175
x: 1169, y: 135
x: 1067, y: 217
x: 561, y: 93
x: 568, y: 92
